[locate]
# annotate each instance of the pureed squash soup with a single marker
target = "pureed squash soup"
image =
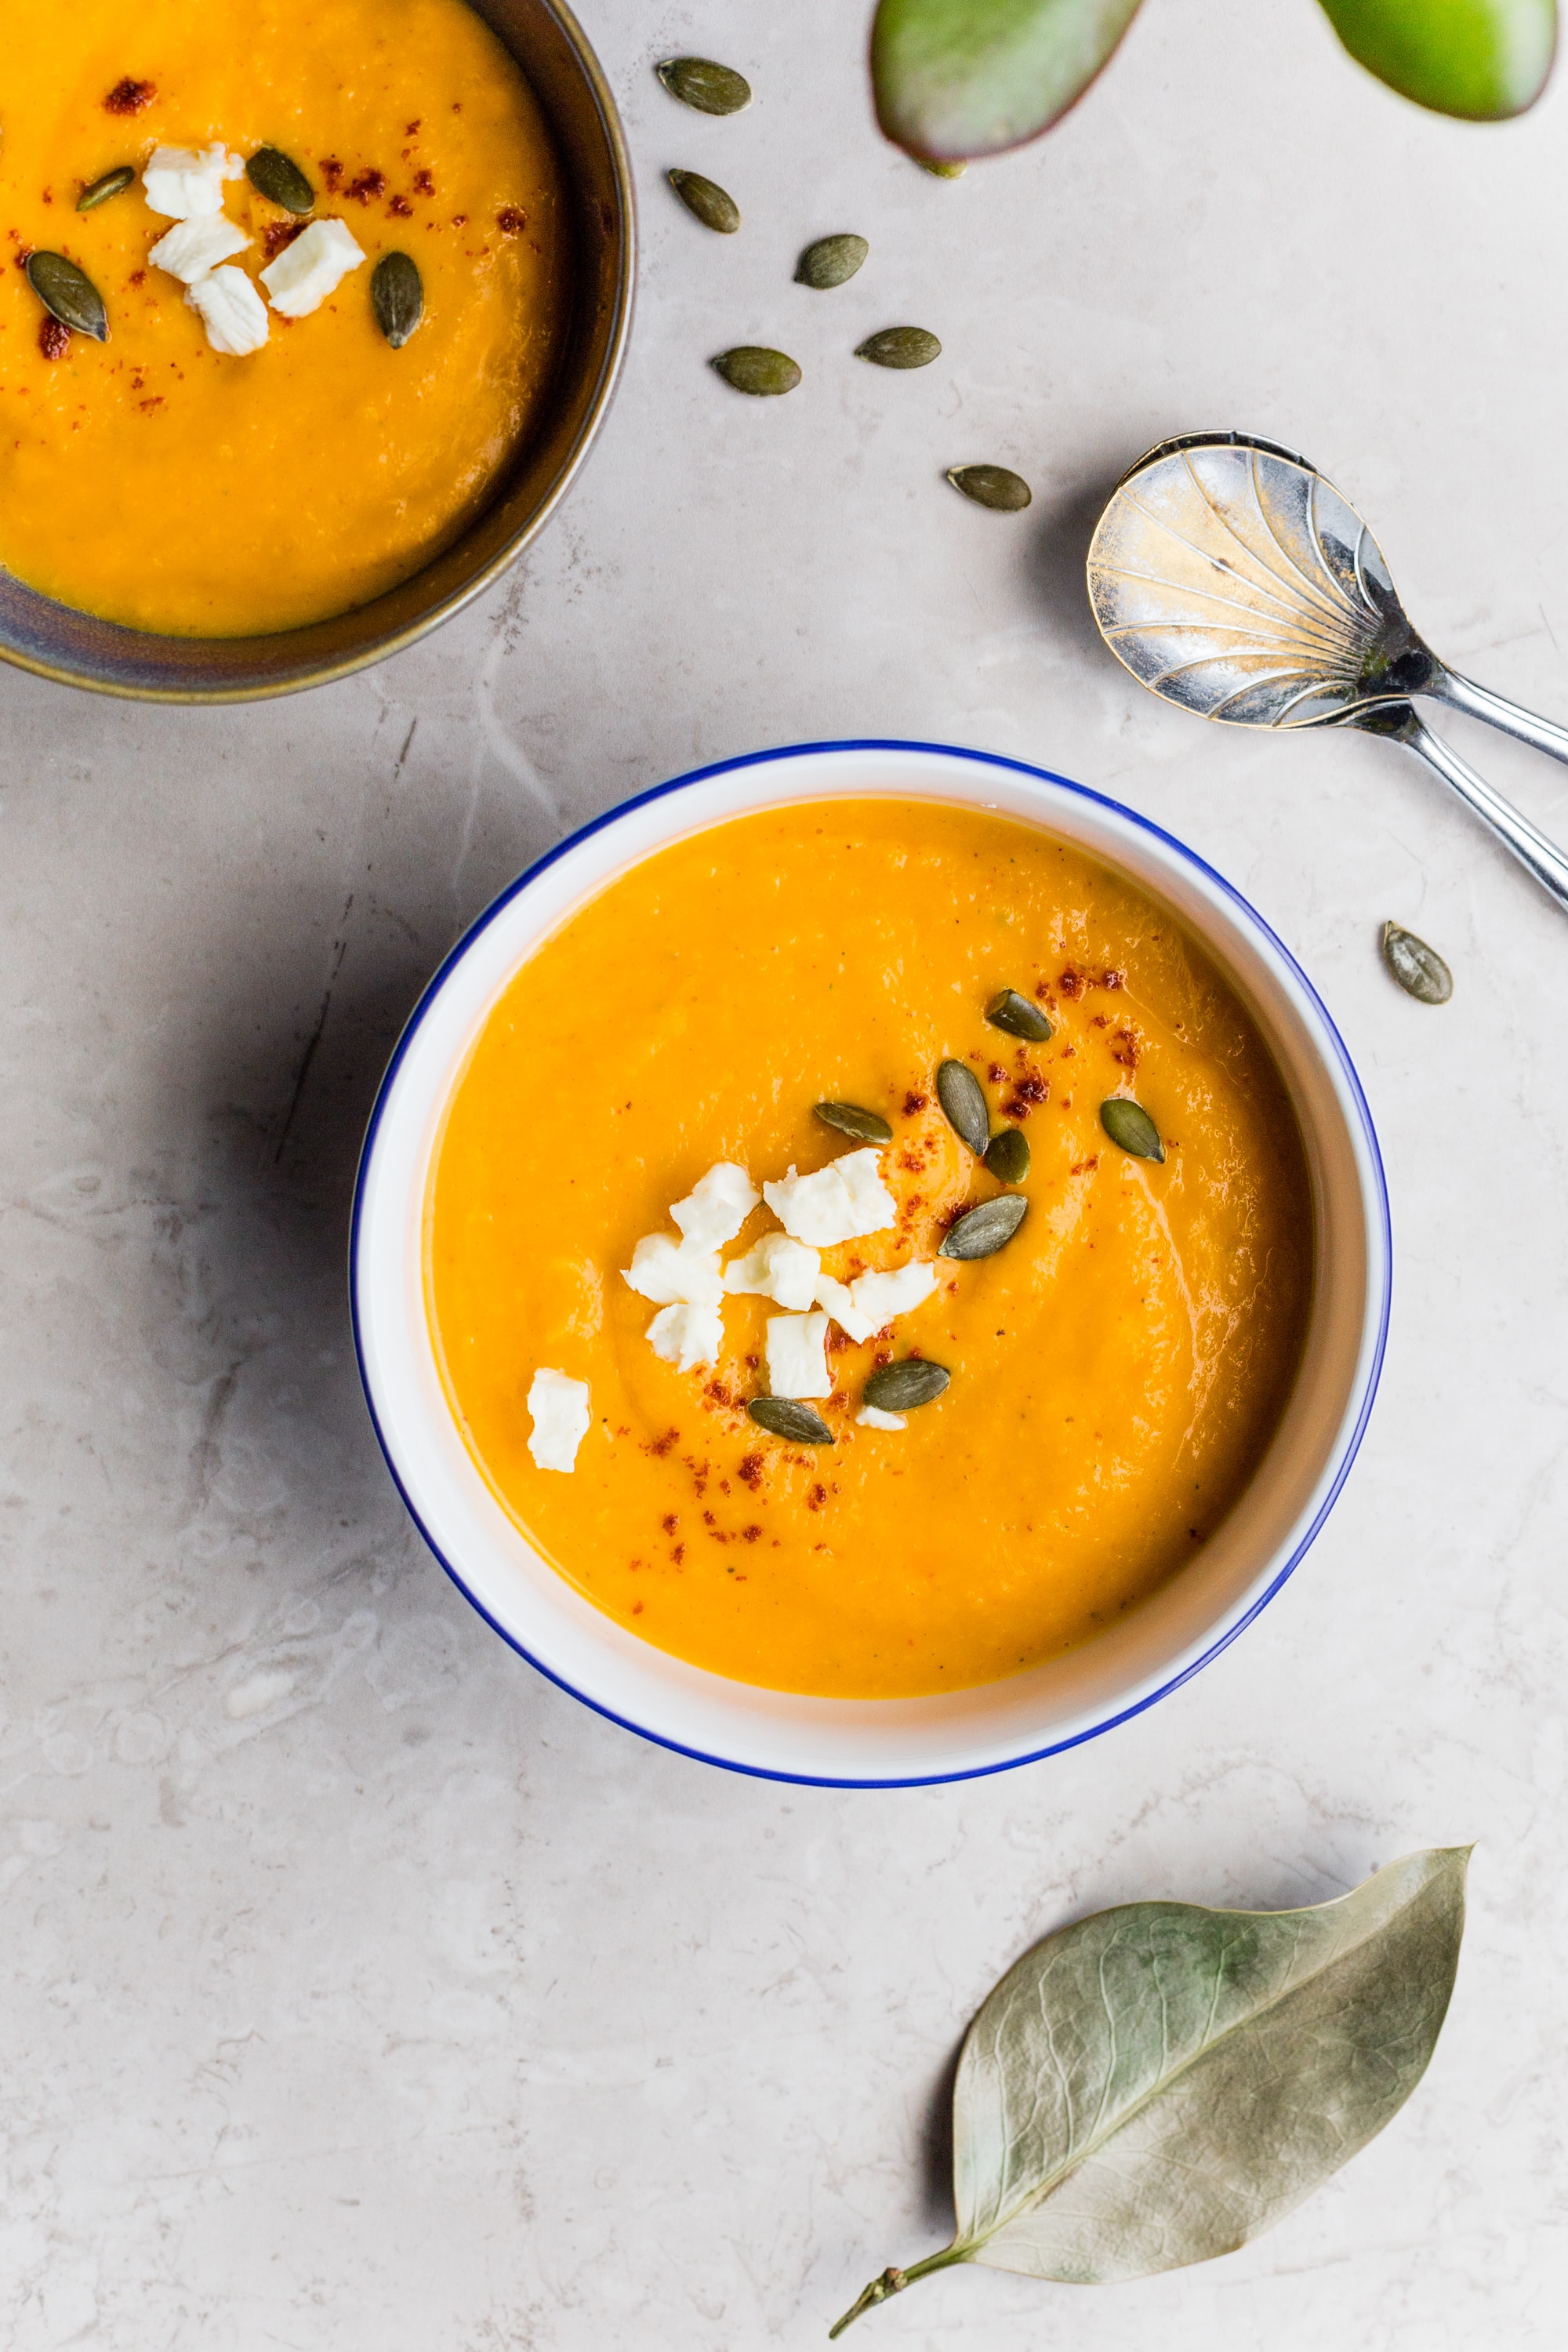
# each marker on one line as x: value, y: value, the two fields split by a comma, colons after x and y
x: 1117, y: 1351
x: 159, y: 481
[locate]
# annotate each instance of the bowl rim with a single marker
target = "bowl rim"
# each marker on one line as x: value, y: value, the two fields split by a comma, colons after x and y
x: 1379, y: 1272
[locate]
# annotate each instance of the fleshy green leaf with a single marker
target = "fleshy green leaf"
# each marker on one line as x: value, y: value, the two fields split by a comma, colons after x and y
x: 1160, y: 2084
x: 1483, y: 59
x: 956, y: 78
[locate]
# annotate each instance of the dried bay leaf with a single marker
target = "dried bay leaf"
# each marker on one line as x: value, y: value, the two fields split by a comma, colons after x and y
x: 1162, y: 2083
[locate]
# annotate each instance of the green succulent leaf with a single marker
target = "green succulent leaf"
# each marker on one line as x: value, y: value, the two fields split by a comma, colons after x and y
x: 1481, y: 60
x: 959, y: 78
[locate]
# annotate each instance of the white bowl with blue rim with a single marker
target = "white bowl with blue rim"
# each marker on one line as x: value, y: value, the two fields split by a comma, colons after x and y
x: 873, y: 1742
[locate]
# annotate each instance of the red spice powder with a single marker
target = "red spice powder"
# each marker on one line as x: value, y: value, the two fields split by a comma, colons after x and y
x: 331, y: 171
x: 661, y: 1446
x: 424, y: 183
x: 400, y: 208
x: 276, y: 235
x: 137, y: 277
x: 913, y: 1103
x: 751, y: 1470
x: 54, y: 339
x: 130, y: 97
x: 1124, y: 1049
x: 369, y: 183
x: 510, y: 221
x: 411, y: 130
x: 1071, y: 984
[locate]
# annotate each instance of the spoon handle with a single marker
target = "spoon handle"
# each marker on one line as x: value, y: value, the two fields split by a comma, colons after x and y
x: 1545, y: 860
x: 1480, y: 702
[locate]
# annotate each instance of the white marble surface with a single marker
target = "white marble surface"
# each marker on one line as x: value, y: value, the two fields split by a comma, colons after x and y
x: 361, y: 1989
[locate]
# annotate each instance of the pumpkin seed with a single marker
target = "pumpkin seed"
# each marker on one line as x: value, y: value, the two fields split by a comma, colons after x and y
x: 710, y: 89
x: 706, y: 201
x: 962, y: 1100
x: 943, y: 171
x: 68, y: 294
x: 783, y: 1417
x: 1419, y: 970
x: 985, y: 1230
x: 1007, y: 1156
x: 1017, y: 1016
x: 900, y: 347
x: 278, y: 178
x: 113, y: 183
x: 1129, y: 1125
x: 751, y: 367
x: 899, y: 1388
x: 397, y: 297
x: 991, y: 486
x: 831, y: 261
x: 866, y: 1126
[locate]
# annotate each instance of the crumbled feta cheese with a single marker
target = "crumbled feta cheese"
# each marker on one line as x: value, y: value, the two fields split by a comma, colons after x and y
x: 880, y: 1297
x: 777, y: 1269
x: 184, y: 182
x: 672, y: 1274
x: 715, y: 1209
x: 232, y: 311
x: 872, y: 1416
x: 797, y: 1356
x: 192, y: 247
x: 560, y: 1410
x: 313, y: 266
x: 687, y: 1336
x: 841, y: 1203
x: 839, y: 1300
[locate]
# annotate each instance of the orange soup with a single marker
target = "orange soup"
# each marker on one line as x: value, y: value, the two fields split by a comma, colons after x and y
x: 155, y: 480
x: 1114, y: 1369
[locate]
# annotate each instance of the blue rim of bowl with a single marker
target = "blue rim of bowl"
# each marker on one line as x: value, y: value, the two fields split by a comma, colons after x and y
x: 1082, y: 792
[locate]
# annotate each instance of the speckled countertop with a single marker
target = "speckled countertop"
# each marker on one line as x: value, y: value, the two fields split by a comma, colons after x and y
x: 361, y: 1990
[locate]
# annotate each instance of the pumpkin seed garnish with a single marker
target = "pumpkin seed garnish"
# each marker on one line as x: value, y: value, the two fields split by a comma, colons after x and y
x: 1419, y: 970
x: 1129, y: 1125
x: 1007, y: 1156
x: 900, y: 347
x: 865, y: 1126
x: 985, y: 1230
x: 751, y: 367
x: 991, y: 486
x: 113, y: 183
x: 943, y: 171
x: 68, y: 294
x: 397, y: 297
x: 706, y: 201
x: 278, y: 178
x: 962, y: 1100
x: 710, y: 89
x: 783, y: 1417
x: 1017, y: 1016
x: 831, y: 261
x: 899, y: 1388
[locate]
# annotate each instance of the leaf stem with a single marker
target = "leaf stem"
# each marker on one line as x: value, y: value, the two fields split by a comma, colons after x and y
x: 893, y: 2282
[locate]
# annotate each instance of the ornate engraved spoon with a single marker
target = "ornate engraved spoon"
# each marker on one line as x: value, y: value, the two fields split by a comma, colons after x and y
x: 1230, y: 578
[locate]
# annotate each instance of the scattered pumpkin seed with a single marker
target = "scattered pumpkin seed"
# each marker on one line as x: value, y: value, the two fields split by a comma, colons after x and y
x: 710, y: 89
x: 397, y: 297
x: 962, y: 1100
x: 865, y: 1126
x: 278, y: 178
x: 991, y: 486
x: 831, y: 261
x: 751, y: 367
x: 900, y: 347
x: 1007, y: 1156
x: 899, y: 1388
x: 113, y: 183
x: 785, y: 1417
x: 706, y: 201
x: 68, y: 294
x: 943, y: 171
x: 1129, y: 1126
x: 985, y: 1230
x: 1419, y: 970
x: 1018, y: 1017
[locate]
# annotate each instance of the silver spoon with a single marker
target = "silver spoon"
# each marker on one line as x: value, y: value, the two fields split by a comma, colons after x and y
x: 1230, y: 578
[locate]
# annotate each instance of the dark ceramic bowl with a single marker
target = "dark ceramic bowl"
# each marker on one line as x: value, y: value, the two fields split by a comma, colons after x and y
x: 73, y: 648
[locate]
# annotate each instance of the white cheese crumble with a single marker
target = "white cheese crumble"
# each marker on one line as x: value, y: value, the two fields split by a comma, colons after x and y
x: 715, y: 1211
x: 560, y: 1410
x: 184, y: 182
x: 839, y: 1297
x: 687, y: 1336
x: 673, y: 1275
x: 842, y: 1203
x: 872, y: 1416
x: 313, y: 266
x: 797, y: 1356
x: 232, y: 311
x: 862, y: 1306
x: 777, y: 1269
x: 192, y: 247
